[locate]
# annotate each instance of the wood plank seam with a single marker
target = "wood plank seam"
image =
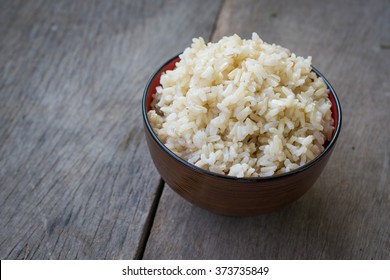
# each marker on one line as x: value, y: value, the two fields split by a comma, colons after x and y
x: 215, y: 24
x: 149, y: 222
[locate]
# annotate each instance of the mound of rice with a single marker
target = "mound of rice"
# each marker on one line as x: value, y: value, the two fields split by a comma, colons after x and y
x: 242, y: 108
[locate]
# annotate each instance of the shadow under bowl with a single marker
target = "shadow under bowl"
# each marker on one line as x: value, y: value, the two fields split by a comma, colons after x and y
x: 229, y: 195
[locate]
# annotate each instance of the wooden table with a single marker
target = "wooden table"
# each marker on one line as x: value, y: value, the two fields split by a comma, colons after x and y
x: 76, y: 178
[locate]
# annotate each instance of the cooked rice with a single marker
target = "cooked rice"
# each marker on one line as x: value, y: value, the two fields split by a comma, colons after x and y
x: 242, y: 108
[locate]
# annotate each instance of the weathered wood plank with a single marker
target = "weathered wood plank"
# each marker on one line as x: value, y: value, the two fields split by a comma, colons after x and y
x: 76, y: 180
x: 346, y: 213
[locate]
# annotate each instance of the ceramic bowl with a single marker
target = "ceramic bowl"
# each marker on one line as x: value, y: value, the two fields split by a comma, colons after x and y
x: 228, y: 195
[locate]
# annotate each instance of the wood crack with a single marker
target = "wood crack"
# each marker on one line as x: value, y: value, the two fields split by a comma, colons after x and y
x: 149, y: 222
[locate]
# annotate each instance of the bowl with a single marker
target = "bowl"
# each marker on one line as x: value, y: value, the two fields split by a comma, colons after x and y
x: 229, y: 195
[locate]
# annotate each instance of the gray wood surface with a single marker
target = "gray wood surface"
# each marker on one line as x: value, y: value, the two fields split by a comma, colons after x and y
x: 346, y: 215
x: 76, y: 179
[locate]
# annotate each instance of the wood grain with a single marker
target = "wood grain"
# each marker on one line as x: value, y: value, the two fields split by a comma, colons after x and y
x: 346, y: 214
x: 76, y: 179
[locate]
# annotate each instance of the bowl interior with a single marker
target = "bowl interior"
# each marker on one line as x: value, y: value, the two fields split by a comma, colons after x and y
x: 155, y: 80
x: 170, y: 65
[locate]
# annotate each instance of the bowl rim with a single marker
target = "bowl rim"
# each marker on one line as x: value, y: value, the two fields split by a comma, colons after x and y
x: 242, y: 179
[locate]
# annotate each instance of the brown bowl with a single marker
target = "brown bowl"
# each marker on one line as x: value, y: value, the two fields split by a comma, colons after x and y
x: 229, y: 195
